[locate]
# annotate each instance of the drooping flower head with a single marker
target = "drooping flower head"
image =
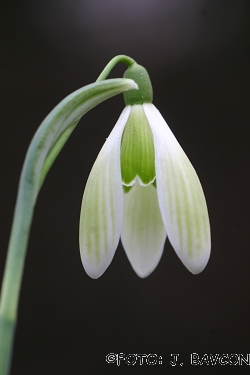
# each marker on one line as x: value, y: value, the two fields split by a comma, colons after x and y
x: 143, y: 188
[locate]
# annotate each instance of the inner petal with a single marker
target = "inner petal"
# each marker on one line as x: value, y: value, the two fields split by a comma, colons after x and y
x: 137, y: 149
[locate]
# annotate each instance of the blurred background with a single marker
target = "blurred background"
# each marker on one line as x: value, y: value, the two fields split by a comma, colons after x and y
x: 197, y: 55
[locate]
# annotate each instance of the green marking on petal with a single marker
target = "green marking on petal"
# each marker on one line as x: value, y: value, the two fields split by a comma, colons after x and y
x: 126, y: 189
x: 137, y: 149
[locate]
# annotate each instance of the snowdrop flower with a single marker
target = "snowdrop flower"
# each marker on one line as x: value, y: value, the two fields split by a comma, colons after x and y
x: 143, y: 188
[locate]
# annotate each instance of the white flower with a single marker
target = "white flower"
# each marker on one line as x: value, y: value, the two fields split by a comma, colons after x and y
x: 143, y: 188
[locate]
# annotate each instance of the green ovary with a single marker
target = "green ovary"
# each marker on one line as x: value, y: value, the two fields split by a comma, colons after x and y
x: 137, y: 149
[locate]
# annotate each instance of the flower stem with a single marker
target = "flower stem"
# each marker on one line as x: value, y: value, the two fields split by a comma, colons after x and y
x: 120, y: 58
x: 7, y: 329
x: 13, y: 275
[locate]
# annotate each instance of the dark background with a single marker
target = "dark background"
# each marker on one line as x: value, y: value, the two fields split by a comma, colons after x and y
x: 197, y: 54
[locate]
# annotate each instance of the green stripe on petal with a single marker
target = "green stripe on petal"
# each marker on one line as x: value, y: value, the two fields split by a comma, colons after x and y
x: 181, y: 198
x: 102, y: 205
x: 143, y: 232
x: 137, y: 149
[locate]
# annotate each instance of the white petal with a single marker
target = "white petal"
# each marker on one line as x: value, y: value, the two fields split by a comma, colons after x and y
x: 102, y: 205
x: 181, y: 199
x: 143, y: 232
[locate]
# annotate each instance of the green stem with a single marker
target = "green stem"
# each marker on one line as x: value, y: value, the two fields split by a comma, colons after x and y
x: 13, y: 275
x: 43, y: 150
x: 120, y: 58
x: 7, y: 329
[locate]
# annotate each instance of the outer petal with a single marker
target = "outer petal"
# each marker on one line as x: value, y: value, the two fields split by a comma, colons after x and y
x: 102, y: 205
x: 181, y: 199
x: 143, y: 232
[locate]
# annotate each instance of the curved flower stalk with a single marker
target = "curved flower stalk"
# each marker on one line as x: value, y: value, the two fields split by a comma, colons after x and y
x: 43, y: 150
x: 142, y: 188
